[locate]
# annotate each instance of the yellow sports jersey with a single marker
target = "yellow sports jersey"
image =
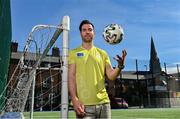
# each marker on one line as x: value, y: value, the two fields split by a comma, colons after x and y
x: 90, y: 74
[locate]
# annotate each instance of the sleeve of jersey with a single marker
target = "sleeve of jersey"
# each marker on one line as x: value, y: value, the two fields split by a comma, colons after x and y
x: 71, y: 58
x: 107, y: 59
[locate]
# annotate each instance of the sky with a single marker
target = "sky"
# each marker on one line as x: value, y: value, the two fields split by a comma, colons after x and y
x: 140, y: 20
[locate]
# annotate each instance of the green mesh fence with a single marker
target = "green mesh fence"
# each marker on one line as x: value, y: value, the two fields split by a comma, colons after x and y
x: 5, y: 43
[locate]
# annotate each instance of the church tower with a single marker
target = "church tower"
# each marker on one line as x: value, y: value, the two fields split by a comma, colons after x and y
x: 154, y: 65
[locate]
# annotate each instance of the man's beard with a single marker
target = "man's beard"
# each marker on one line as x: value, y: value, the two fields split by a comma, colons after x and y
x: 88, y: 40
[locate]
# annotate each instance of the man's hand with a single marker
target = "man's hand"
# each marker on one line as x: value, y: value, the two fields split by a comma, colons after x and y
x: 79, y: 108
x: 121, y: 60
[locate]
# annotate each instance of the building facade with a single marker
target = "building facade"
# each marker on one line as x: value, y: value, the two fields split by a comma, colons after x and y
x: 153, y: 88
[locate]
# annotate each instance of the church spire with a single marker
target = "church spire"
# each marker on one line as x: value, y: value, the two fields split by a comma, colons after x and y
x: 155, y: 66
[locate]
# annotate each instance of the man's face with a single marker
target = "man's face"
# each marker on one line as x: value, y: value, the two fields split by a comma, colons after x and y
x: 87, y: 33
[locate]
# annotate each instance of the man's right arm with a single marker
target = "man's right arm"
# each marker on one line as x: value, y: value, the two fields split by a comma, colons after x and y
x: 78, y: 106
x: 72, y: 81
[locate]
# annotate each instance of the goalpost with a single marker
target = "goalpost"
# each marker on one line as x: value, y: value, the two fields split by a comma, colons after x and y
x: 27, y: 74
x: 64, y: 89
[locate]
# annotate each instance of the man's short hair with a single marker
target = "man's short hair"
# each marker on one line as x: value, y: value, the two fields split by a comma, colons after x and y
x: 85, y: 22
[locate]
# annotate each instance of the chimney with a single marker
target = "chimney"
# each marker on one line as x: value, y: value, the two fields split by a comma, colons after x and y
x: 55, y: 52
x: 14, y: 46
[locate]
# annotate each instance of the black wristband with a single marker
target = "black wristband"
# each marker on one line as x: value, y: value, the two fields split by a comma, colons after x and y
x: 120, y: 66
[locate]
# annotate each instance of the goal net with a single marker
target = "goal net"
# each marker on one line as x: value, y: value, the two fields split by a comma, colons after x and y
x: 39, y: 79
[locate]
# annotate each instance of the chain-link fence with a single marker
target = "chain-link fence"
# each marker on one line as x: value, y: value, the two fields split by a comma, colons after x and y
x: 146, y: 83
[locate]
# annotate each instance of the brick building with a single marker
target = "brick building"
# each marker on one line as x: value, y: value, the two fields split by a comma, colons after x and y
x: 153, y: 88
x: 48, y: 79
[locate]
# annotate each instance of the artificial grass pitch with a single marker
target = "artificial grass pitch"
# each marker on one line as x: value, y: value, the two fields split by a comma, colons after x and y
x: 152, y: 113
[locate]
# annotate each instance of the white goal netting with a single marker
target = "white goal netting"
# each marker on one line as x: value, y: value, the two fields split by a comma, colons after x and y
x: 38, y: 74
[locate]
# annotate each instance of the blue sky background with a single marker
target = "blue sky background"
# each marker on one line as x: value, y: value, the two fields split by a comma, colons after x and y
x: 140, y: 19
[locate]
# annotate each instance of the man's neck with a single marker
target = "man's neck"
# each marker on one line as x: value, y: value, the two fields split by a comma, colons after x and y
x: 87, y: 46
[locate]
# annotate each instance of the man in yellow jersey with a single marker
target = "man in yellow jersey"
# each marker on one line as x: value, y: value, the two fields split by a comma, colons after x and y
x: 88, y: 66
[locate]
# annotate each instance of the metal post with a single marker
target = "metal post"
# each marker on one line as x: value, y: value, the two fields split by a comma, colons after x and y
x: 148, y: 95
x: 146, y: 67
x: 33, y: 83
x: 52, y: 94
x: 165, y: 67
x: 41, y: 102
x: 33, y: 89
x: 178, y: 76
x: 138, y: 84
x: 178, y: 71
x: 64, y: 88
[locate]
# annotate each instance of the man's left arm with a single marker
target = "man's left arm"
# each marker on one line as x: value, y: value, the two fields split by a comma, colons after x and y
x: 113, y: 73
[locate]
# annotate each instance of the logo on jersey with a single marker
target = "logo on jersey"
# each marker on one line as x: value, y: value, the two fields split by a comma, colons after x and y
x: 80, y: 54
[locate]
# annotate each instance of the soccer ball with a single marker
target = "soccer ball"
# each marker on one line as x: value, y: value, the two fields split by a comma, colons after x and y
x: 113, y: 34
